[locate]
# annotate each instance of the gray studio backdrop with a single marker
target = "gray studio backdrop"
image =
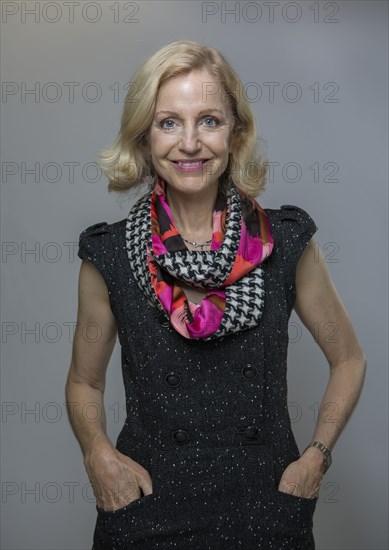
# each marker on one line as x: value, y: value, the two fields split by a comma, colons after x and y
x: 316, y: 76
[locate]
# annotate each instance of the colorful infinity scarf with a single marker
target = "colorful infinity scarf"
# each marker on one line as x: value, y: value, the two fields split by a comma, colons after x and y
x: 230, y: 271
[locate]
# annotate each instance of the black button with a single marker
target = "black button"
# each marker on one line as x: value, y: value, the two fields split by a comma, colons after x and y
x: 249, y: 372
x: 251, y: 432
x: 162, y: 320
x: 180, y: 436
x: 173, y: 379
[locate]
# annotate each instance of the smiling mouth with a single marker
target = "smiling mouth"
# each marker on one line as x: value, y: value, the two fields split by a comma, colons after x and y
x: 190, y: 163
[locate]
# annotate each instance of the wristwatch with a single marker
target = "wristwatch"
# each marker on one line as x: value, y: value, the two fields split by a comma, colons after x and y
x: 326, y: 453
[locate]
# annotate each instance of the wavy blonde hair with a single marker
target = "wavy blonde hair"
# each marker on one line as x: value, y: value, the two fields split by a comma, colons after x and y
x: 127, y: 162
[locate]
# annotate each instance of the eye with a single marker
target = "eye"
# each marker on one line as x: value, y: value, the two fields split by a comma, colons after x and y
x: 167, y: 124
x: 210, y: 122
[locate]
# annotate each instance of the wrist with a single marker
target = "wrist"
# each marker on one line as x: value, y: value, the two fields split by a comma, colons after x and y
x: 318, y: 454
x: 315, y: 458
x: 99, y: 444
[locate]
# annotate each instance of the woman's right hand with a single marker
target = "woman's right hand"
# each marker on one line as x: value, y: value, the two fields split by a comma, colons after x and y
x: 116, y: 478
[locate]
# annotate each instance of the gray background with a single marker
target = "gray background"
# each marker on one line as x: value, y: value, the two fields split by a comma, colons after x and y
x: 336, y: 57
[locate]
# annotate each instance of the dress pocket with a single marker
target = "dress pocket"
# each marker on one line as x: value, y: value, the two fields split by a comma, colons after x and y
x: 295, y: 498
x: 292, y: 513
x: 177, y: 516
x: 298, y: 511
x: 181, y: 504
x: 124, y: 509
x: 132, y: 518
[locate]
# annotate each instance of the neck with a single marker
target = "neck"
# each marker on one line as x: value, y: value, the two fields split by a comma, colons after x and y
x: 192, y: 213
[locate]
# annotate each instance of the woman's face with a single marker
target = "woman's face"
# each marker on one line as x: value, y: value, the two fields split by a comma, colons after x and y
x: 191, y: 132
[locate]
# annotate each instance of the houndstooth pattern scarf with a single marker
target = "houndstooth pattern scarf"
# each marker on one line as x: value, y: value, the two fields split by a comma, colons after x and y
x: 230, y: 272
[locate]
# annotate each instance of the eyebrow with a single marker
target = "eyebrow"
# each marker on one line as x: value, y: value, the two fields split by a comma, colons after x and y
x: 203, y: 112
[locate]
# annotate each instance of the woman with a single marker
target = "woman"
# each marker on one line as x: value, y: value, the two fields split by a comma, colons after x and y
x: 199, y: 282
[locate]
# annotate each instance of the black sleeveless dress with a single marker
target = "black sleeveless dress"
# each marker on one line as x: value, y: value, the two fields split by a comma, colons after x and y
x: 208, y: 420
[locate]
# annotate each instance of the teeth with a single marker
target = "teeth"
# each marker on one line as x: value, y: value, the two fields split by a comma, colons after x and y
x: 190, y: 163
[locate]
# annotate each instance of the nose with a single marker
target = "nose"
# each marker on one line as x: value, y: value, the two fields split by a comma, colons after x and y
x: 189, y: 140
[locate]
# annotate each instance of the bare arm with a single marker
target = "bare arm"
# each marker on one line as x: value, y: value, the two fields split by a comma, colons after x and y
x: 115, y: 477
x: 322, y: 312
x: 94, y: 341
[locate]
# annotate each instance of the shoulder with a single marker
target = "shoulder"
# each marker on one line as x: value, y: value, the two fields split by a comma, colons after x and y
x: 291, y: 223
x: 290, y: 215
x: 100, y: 237
x: 102, y: 228
x: 292, y: 228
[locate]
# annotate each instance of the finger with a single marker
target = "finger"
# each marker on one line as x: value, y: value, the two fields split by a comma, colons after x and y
x: 115, y: 502
x: 130, y: 490
x: 140, y: 473
x: 146, y: 485
x: 144, y: 482
x: 292, y: 488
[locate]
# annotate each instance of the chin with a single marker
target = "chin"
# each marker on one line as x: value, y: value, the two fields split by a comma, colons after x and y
x: 192, y: 185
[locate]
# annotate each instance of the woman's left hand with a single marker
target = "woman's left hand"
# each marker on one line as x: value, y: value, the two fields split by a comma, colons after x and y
x: 303, y: 477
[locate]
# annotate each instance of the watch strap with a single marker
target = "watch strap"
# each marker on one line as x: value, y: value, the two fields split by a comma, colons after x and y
x: 326, y: 453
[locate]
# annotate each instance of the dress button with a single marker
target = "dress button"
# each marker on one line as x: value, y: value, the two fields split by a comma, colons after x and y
x: 249, y: 372
x: 173, y: 379
x: 162, y: 320
x: 180, y: 436
x: 251, y: 432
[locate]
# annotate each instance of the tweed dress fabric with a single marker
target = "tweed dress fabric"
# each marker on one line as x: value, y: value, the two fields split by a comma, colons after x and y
x: 208, y: 419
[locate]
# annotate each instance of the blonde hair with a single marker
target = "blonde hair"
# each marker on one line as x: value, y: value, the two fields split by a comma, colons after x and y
x: 127, y: 162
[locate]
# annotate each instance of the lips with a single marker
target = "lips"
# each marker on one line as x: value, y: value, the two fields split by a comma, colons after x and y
x: 194, y: 165
x: 196, y: 162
